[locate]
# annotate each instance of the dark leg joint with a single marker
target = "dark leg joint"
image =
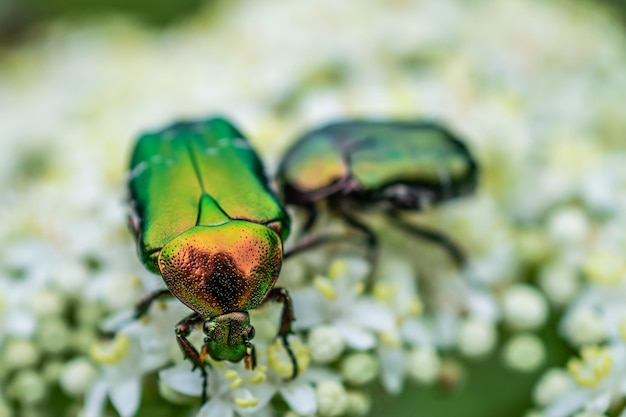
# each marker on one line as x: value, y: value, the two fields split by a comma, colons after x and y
x: 183, y: 330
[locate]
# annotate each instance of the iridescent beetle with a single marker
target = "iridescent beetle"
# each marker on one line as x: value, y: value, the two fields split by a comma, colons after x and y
x: 390, y: 166
x: 205, y: 219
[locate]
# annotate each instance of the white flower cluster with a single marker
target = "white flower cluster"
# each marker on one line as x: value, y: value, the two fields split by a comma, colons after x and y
x: 541, y: 104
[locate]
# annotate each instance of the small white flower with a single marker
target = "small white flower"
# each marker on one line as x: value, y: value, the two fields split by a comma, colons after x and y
x: 325, y: 344
x: 338, y: 301
x: 599, y: 378
x: 524, y: 307
x: 554, y: 383
x: 524, y: 352
x: 423, y: 365
x: 124, y: 363
x: 77, y: 375
x: 476, y: 337
x: 359, y: 368
x: 332, y: 399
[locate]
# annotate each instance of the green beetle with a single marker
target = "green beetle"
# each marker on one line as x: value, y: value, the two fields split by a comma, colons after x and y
x: 364, y: 165
x: 206, y: 220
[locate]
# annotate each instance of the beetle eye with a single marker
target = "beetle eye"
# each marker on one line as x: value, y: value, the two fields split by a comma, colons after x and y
x: 205, y: 327
x: 251, y: 333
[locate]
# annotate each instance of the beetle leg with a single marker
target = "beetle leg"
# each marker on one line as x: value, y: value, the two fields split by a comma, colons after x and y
x: 371, y: 242
x: 141, y: 308
x: 316, y: 242
x: 453, y: 250
x: 183, y: 330
x: 281, y: 295
x: 250, y: 358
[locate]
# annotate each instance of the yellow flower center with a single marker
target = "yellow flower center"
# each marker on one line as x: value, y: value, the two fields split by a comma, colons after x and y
x: 385, y: 293
x: 337, y: 269
x: 605, y: 267
x: 278, y: 359
x: 594, y: 365
x: 110, y: 352
x: 246, y: 402
x: 325, y: 287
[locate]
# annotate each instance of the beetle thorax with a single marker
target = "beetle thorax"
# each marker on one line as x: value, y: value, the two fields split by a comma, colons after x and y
x: 222, y: 269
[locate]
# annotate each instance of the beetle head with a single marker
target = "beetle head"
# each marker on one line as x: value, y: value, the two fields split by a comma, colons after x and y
x: 228, y: 336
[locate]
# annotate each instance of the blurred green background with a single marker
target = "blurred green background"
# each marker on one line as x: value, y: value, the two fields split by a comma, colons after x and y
x: 19, y: 18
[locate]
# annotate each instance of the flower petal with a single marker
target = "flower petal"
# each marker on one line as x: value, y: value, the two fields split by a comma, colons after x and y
x: 309, y: 308
x: 393, y: 361
x: 318, y: 374
x: 264, y: 392
x: 600, y: 403
x: 371, y: 315
x: 181, y: 379
x: 300, y: 397
x: 125, y: 397
x: 416, y: 333
x: 356, y: 337
x: 568, y: 403
x: 216, y: 408
x: 94, y: 403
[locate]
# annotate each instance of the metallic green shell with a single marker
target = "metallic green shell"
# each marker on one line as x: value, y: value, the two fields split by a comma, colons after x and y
x: 365, y: 157
x: 197, y: 173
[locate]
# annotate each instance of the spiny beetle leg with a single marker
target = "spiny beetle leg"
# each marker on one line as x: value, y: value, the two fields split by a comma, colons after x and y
x: 281, y: 295
x: 371, y: 242
x: 141, y: 309
x: 183, y: 330
x: 453, y: 250
x: 316, y: 242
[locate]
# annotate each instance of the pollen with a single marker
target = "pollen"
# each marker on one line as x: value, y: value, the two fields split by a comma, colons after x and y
x: 246, y: 402
x: 390, y: 339
x: 257, y: 378
x: 237, y: 382
x: 110, y: 353
x: 337, y: 269
x: 594, y: 365
x: 278, y: 358
x: 325, y: 287
x: 385, y: 293
x: 605, y: 268
x: 415, y: 307
x: 231, y: 374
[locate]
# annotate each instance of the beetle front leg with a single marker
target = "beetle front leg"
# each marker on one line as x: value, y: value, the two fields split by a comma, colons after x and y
x: 183, y: 330
x: 281, y: 295
x: 454, y: 251
x: 141, y: 309
x: 250, y: 358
